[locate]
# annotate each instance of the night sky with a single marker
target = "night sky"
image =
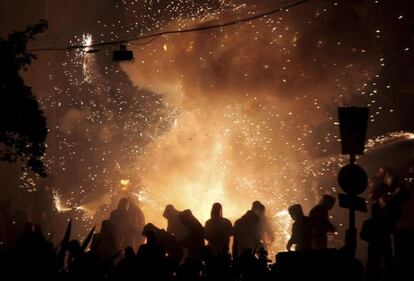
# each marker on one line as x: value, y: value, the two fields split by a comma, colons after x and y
x: 234, y: 114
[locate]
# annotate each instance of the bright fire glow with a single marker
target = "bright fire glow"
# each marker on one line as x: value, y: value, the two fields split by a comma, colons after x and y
x: 124, y: 182
x: 193, y: 168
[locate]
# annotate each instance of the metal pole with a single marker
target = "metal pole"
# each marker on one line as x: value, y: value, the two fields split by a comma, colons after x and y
x: 351, y: 233
x: 352, y: 158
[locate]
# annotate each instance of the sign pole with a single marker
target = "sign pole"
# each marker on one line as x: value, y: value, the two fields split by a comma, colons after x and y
x: 352, y: 178
x: 351, y: 239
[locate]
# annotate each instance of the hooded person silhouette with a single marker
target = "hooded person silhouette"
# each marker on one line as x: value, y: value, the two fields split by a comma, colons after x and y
x: 301, y: 229
x: 320, y: 221
x: 246, y: 233
x: 195, y: 238
x: 174, y: 224
x: 217, y: 231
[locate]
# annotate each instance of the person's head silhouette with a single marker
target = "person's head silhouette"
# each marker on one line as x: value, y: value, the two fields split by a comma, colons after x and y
x: 216, y: 211
x: 295, y: 212
x: 328, y: 201
x: 258, y: 208
x: 169, y: 211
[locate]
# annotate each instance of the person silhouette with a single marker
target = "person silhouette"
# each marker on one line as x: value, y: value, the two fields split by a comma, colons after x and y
x: 265, y: 229
x: 301, y: 229
x: 195, y: 238
x: 75, y: 251
x: 119, y: 220
x: 18, y: 225
x: 376, y: 231
x: 42, y: 211
x: 151, y: 250
x: 126, y: 268
x: 398, y: 194
x: 174, y: 224
x: 135, y: 225
x: 320, y: 221
x: 166, y: 242
x: 217, y: 231
x: 378, y: 186
x: 103, y: 243
x: 6, y: 223
x: 151, y: 258
x: 32, y: 256
x: 246, y: 234
x: 404, y: 228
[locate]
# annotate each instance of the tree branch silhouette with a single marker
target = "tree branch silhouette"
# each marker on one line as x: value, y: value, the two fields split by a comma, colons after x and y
x: 23, y: 128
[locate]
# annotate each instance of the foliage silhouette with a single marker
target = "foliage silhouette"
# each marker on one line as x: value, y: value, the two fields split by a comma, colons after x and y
x: 23, y: 128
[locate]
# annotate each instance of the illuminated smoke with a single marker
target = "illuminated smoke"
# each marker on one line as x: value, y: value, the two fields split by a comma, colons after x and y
x: 231, y: 115
x: 246, y: 118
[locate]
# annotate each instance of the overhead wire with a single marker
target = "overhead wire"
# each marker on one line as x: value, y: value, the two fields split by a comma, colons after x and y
x: 154, y: 36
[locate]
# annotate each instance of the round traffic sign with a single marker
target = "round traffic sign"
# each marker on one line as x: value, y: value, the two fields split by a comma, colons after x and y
x: 352, y: 179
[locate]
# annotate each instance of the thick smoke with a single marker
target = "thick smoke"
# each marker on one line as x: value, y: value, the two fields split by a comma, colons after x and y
x: 252, y: 103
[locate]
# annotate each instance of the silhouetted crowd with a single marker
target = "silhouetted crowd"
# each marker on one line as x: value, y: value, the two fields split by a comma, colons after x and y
x: 125, y: 248
x: 389, y: 231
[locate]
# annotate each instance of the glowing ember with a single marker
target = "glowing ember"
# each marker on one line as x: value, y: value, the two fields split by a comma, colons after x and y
x: 124, y: 182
